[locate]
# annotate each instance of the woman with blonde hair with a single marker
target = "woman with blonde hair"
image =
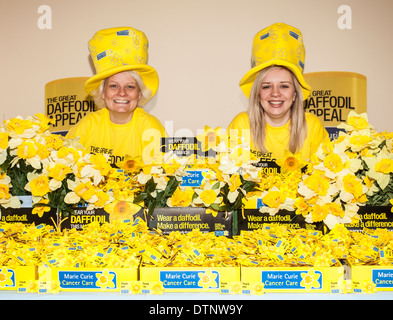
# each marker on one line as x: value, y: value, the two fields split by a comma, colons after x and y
x: 275, y: 120
x: 123, y: 84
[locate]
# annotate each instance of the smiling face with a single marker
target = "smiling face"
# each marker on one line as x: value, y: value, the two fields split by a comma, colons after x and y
x: 277, y: 94
x: 121, y: 95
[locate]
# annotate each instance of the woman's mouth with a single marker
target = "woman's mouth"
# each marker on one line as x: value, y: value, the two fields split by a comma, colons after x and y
x: 276, y: 103
x: 121, y: 101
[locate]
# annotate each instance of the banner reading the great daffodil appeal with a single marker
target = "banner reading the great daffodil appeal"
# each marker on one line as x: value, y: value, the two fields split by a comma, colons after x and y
x: 66, y: 102
x: 334, y: 95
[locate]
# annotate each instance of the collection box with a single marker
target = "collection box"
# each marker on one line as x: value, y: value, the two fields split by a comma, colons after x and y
x: 187, y: 219
x: 379, y: 276
x: 17, y: 278
x: 295, y: 279
x: 88, y: 279
x: 190, y: 279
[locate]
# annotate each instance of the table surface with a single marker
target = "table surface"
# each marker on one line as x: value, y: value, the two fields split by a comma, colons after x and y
x: 13, y: 295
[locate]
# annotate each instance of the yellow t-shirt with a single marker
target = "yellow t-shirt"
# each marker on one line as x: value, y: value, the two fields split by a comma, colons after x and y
x: 139, y: 137
x: 277, y: 138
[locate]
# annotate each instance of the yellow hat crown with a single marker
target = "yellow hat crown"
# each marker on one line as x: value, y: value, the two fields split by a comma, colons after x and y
x: 279, y: 41
x: 120, y: 49
x: 118, y: 46
x: 278, y: 44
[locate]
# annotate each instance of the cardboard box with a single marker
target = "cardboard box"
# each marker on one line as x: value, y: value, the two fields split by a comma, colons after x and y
x: 296, y: 279
x: 192, y: 279
x: 188, y: 218
x: 89, y: 279
x: 378, y: 278
x: 17, y: 278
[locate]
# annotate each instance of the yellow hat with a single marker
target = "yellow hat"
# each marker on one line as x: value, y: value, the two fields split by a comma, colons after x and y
x: 120, y: 49
x: 278, y: 44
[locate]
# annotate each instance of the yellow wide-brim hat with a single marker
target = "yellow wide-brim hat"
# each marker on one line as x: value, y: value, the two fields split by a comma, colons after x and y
x: 278, y: 44
x: 120, y: 49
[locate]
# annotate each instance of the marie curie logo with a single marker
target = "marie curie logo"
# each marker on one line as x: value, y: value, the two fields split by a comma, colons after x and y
x: 7, y: 278
x: 286, y: 279
x: 383, y: 278
x: 194, y: 178
x: 87, y: 279
x: 179, y: 279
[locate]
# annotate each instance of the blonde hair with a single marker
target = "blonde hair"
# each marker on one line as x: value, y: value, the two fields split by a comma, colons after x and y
x: 145, y: 91
x: 256, y: 115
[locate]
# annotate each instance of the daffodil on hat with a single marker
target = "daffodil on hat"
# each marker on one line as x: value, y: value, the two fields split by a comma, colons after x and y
x: 278, y: 44
x: 120, y: 49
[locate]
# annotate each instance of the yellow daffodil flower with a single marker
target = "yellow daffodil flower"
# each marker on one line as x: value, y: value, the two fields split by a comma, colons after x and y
x: 131, y: 164
x: 85, y: 190
x: 40, y: 210
x: 210, y: 138
x: 59, y: 171
x: 38, y: 185
x: 181, y: 198
x: 4, y: 136
x: 290, y: 162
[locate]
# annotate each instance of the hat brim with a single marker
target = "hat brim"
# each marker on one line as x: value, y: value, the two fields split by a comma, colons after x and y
x: 148, y: 74
x: 247, y: 81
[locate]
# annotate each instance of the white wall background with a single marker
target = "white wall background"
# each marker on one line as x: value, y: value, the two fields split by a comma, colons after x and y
x: 200, y: 48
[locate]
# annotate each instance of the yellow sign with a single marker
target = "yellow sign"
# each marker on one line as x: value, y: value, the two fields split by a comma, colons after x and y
x: 334, y: 95
x: 66, y: 101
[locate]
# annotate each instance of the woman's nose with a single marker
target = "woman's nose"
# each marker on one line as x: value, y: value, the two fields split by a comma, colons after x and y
x: 122, y: 91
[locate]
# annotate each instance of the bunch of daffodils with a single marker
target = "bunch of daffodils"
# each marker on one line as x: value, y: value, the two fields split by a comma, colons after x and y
x: 353, y: 170
x: 57, y: 172
x: 225, y: 181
